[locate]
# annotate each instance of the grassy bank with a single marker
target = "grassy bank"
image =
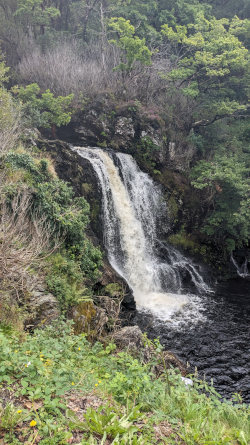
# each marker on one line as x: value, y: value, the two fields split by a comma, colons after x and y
x: 57, y: 388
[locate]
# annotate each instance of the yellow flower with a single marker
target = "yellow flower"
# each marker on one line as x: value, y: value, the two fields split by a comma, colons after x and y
x: 16, y: 350
x: 99, y: 381
x: 19, y: 411
x: 96, y: 384
x: 33, y: 423
x: 79, y: 349
x: 72, y: 383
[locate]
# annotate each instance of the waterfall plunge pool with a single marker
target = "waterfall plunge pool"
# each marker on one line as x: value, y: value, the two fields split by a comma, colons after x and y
x: 209, y: 330
x: 213, y: 337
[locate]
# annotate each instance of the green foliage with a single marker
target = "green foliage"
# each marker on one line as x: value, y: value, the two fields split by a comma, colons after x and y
x: 209, y: 72
x: 44, y: 109
x: 67, y: 217
x: 133, y: 47
x: 184, y: 241
x: 35, y: 364
x: 128, y: 378
x: 66, y: 281
x: 142, y: 14
x: 241, y: 8
x: 114, y: 290
x: 226, y: 179
x: 53, y: 197
x: 52, y: 367
x: 3, y: 72
x: 36, y: 14
x: 90, y: 259
x: 11, y: 417
x: 146, y: 152
x: 108, y: 423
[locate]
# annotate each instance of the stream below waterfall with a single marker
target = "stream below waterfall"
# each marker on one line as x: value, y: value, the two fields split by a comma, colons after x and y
x: 204, y: 325
x: 218, y: 344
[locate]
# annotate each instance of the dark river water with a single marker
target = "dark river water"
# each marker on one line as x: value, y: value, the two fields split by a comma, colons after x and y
x: 212, y: 335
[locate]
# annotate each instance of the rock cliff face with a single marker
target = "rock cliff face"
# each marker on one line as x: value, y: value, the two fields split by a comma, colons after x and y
x: 163, y: 153
x: 125, y: 127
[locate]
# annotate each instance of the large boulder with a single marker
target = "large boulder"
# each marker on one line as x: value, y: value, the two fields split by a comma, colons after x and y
x: 129, y: 337
x: 43, y: 307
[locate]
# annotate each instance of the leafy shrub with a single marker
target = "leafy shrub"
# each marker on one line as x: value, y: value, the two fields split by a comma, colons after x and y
x: 66, y: 281
x: 108, y: 423
x: 44, y: 109
x: 114, y: 290
x: 90, y: 259
x: 147, y: 151
x: 226, y: 180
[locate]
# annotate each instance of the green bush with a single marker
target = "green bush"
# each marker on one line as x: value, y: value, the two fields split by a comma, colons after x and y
x: 90, y: 259
x: 226, y: 179
x: 66, y: 281
x: 44, y: 109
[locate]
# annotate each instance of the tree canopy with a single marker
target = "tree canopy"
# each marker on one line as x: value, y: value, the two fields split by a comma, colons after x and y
x: 209, y: 64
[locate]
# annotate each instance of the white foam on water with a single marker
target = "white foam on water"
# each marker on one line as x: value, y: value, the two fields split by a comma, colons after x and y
x: 162, y: 305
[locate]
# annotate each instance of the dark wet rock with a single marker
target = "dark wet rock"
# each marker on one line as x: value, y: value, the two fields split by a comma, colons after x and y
x: 104, y: 123
x: 129, y: 337
x: 224, y: 379
x: 100, y: 321
x: 238, y: 372
x: 43, y: 307
x: 128, y: 301
x: 244, y: 384
x: 124, y: 130
x: 180, y: 154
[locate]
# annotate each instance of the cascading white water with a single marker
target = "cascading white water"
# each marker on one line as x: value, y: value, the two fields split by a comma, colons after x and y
x: 242, y: 270
x: 131, y: 203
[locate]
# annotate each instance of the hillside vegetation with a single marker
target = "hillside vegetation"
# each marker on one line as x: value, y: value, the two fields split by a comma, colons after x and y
x: 61, y: 389
x: 185, y: 66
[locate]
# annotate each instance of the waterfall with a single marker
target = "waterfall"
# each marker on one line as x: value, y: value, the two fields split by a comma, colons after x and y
x: 242, y: 270
x: 132, y: 205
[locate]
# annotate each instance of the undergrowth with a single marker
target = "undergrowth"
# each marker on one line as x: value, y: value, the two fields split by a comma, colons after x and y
x: 68, y: 263
x: 57, y: 388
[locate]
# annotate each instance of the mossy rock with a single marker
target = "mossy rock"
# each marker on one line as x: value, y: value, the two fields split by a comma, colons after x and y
x: 187, y: 243
x: 83, y: 314
x: 90, y: 319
